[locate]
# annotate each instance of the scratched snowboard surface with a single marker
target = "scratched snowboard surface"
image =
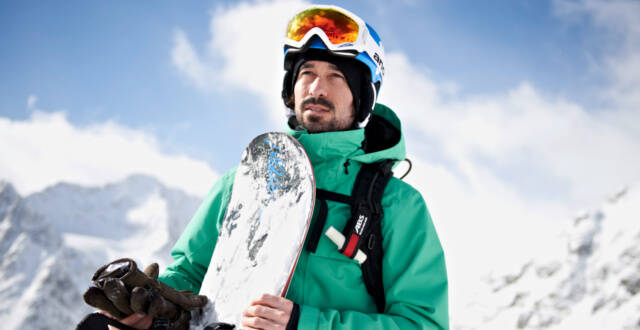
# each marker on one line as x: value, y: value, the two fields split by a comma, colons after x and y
x: 263, y: 229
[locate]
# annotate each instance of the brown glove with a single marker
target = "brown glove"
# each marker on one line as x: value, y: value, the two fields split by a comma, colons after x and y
x: 121, y: 289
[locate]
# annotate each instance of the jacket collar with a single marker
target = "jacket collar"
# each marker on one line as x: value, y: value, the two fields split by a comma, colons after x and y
x: 385, y: 139
x: 331, y: 146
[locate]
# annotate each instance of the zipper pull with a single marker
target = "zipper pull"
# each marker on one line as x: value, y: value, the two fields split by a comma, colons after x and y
x: 346, y: 167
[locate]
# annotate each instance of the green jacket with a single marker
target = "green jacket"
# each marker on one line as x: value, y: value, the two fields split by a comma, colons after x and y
x: 327, y: 285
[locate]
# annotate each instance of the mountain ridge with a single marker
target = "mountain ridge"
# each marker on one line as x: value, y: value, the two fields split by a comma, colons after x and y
x: 52, y: 241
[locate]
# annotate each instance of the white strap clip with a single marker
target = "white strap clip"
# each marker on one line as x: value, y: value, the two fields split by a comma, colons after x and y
x: 338, y: 239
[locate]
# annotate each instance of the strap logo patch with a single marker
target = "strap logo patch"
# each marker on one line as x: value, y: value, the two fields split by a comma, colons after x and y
x: 362, y: 221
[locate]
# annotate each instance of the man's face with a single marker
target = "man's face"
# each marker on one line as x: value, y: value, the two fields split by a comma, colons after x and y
x: 323, y: 100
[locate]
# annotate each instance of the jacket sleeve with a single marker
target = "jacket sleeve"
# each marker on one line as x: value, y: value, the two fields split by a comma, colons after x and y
x: 192, y: 252
x: 414, y: 276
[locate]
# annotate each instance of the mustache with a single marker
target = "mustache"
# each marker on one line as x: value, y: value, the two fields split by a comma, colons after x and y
x: 317, y: 101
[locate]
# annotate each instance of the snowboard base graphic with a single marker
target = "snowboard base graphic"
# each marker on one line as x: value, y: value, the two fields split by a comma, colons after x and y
x: 263, y: 230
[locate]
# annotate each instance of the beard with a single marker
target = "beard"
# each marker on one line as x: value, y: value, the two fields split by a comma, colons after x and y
x: 320, y: 123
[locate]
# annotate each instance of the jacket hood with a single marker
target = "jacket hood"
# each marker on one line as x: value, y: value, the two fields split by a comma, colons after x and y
x: 381, y: 139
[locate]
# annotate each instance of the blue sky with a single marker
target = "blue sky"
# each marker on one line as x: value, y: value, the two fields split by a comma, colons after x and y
x: 517, y: 114
x: 111, y: 60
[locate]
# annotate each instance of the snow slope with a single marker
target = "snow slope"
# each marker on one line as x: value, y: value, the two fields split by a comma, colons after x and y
x: 592, y: 284
x: 51, y: 242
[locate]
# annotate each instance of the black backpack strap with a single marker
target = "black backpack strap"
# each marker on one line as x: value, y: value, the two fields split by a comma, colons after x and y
x: 316, y: 230
x: 362, y: 231
x: 333, y: 196
x: 366, y: 209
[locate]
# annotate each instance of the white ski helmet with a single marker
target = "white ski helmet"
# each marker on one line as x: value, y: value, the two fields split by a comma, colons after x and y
x: 344, y: 36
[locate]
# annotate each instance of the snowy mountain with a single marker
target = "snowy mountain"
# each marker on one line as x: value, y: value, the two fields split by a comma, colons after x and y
x: 592, y: 284
x: 51, y: 242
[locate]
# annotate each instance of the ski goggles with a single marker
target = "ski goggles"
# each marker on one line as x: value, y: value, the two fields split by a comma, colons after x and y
x: 340, y: 30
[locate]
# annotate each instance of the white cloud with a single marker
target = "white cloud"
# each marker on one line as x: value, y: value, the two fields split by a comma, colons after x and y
x: 619, y: 21
x: 482, y: 153
x: 47, y: 149
x: 568, y: 147
x: 186, y: 59
x: 499, y: 172
x: 31, y: 101
x: 244, y: 52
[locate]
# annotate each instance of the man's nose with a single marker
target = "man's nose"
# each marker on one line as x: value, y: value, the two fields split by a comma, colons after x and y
x: 318, y: 87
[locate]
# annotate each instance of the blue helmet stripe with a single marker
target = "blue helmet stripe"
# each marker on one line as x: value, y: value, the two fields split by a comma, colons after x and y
x: 373, y: 33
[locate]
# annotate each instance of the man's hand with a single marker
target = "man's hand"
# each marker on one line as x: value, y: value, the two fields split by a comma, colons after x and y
x: 123, y: 290
x: 268, y: 312
x: 138, y: 321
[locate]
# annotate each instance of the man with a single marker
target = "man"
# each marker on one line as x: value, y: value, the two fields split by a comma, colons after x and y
x: 329, y: 88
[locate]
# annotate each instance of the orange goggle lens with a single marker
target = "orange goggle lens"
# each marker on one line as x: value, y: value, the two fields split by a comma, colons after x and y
x: 338, y: 27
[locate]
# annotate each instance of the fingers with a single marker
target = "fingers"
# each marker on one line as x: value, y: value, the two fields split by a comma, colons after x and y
x: 139, y: 300
x: 152, y: 271
x: 271, y: 314
x: 268, y: 312
x: 119, y: 295
x: 141, y: 321
x: 163, y: 308
x: 260, y: 323
x: 95, y: 297
x: 274, y: 302
x: 192, y: 301
x: 147, y: 301
x: 138, y: 321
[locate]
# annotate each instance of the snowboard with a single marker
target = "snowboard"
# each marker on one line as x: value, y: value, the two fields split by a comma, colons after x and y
x: 263, y: 229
